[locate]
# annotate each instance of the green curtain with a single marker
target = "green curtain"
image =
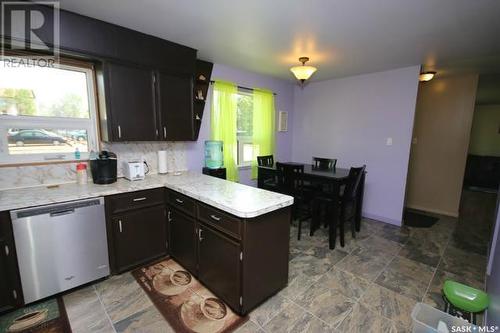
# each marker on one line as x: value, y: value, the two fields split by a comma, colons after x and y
x: 223, y: 123
x: 263, y: 126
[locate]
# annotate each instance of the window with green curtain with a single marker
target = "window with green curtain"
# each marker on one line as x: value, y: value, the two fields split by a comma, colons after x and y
x: 223, y: 123
x: 263, y: 125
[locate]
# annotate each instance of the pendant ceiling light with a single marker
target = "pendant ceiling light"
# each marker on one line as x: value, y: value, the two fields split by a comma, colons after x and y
x: 302, y: 73
x: 426, y: 76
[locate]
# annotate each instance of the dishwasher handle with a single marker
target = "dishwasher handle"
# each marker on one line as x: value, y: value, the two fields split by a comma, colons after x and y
x: 62, y: 213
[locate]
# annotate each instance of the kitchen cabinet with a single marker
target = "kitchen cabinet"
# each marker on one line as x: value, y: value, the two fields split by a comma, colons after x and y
x: 130, y: 104
x: 90, y: 38
x: 203, y: 72
x: 183, y: 238
x: 141, y: 104
x: 136, y: 234
x: 126, y: 62
x: 10, y: 281
x: 242, y: 260
x: 175, y: 107
x: 220, y: 264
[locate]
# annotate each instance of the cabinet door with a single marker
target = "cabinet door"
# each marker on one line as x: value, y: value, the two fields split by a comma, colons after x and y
x: 183, y: 239
x: 139, y: 236
x: 10, y: 283
x: 219, y: 265
x: 130, y: 99
x: 175, y: 104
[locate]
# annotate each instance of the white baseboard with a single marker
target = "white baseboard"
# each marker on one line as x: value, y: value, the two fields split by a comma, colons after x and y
x: 432, y: 210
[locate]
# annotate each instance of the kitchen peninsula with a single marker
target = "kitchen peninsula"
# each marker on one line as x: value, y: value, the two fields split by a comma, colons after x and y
x: 233, y: 237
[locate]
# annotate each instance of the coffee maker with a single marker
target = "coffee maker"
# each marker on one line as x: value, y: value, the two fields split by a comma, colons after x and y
x: 103, y: 168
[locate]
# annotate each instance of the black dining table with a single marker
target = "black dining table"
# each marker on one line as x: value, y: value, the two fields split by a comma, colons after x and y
x: 335, y: 178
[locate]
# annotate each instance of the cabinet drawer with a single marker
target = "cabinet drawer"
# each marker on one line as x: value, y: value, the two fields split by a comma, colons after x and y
x: 182, y: 202
x: 222, y: 221
x: 134, y: 200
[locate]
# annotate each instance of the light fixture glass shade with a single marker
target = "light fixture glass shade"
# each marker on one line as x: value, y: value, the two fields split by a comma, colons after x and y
x: 427, y: 76
x: 303, y: 72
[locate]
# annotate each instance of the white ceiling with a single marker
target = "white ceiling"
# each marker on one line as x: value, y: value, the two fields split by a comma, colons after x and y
x: 342, y: 37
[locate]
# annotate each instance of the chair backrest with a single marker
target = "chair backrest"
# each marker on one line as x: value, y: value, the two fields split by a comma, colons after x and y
x: 290, y: 177
x: 267, y: 160
x: 324, y: 164
x: 353, y: 182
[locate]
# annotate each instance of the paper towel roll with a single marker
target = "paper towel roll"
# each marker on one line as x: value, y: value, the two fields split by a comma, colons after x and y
x: 162, y: 161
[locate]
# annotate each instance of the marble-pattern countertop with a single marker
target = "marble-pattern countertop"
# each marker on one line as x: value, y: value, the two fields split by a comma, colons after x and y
x: 237, y: 199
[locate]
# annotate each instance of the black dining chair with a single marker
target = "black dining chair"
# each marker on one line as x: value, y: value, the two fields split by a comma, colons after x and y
x: 324, y: 164
x: 291, y: 182
x: 267, y: 160
x: 269, y: 181
x: 346, y: 200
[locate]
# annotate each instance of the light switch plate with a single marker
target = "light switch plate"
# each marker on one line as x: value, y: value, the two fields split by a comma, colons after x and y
x: 388, y: 142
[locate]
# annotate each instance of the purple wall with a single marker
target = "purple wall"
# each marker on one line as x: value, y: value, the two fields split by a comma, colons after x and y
x: 284, y: 102
x: 350, y: 119
x: 493, y: 278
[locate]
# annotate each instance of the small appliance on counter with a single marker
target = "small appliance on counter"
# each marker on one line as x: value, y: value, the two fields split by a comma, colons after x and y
x: 103, y: 168
x: 133, y: 170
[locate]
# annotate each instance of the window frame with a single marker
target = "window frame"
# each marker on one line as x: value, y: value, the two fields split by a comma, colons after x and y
x: 91, y: 125
x: 241, y: 140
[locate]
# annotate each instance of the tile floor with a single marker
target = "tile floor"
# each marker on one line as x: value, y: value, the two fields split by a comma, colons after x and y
x: 370, y: 285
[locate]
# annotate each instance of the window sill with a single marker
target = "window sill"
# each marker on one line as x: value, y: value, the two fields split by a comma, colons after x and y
x: 244, y: 167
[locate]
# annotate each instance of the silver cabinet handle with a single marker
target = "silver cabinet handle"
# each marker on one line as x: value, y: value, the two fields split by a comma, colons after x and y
x: 169, y: 218
x: 156, y: 131
x: 179, y: 201
x: 120, y: 225
x: 199, y: 235
x: 197, y: 117
x: 14, y: 294
x: 119, y: 132
x: 140, y: 199
x: 216, y: 218
x: 7, y: 251
x: 164, y: 132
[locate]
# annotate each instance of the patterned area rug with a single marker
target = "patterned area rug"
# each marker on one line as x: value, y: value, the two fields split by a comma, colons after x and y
x: 45, y: 317
x: 183, y: 301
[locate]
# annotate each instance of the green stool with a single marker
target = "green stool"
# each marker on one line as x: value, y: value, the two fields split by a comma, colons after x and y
x: 464, y: 300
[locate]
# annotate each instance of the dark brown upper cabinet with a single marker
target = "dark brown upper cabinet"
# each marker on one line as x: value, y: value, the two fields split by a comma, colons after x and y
x: 145, y: 105
x: 90, y: 38
x: 175, y: 107
x: 203, y: 73
x: 129, y: 94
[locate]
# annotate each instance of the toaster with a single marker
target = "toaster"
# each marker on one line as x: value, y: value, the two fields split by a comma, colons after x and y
x: 133, y: 170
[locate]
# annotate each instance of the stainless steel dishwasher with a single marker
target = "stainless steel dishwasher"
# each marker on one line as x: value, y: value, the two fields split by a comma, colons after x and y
x: 60, y: 246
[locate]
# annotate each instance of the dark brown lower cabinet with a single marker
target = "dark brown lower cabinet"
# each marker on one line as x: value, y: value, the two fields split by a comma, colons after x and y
x: 220, y: 264
x: 137, y: 235
x: 183, y: 239
x: 243, y: 261
x: 10, y: 282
